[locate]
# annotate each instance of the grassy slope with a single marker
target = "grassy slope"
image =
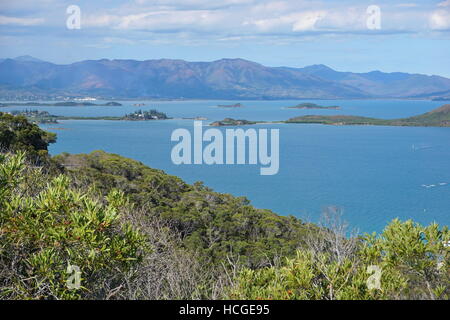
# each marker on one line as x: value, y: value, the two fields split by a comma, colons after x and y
x: 438, y: 117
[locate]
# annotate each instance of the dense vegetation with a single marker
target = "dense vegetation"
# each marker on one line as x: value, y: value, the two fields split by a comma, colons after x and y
x: 36, y: 116
x: 406, y: 261
x: 146, y: 115
x: 17, y: 133
x: 210, y: 223
x: 138, y: 233
x: 46, y: 226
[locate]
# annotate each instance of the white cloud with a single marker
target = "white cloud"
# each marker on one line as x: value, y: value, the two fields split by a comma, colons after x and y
x: 440, y: 20
x: 307, y: 21
x: 248, y: 17
x: 407, y: 5
x: 104, y: 20
x: 27, y: 4
x: 172, y: 20
x: 193, y: 4
x: 271, y: 8
x: 222, y: 20
x: 292, y: 22
x: 4, y: 20
x: 344, y: 20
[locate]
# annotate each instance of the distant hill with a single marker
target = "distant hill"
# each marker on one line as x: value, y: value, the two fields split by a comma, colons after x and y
x: 222, y: 79
x: 377, y: 83
x: 437, y: 118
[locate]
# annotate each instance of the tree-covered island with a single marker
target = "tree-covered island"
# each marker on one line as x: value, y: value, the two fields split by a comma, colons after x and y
x: 308, y: 105
x: 145, y: 115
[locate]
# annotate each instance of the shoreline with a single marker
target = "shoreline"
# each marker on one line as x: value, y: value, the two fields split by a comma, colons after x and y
x: 230, y: 100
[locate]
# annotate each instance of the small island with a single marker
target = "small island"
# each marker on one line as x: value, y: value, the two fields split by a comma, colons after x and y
x: 61, y: 104
x: 232, y: 122
x: 436, y: 118
x: 236, y: 105
x: 308, y: 105
x: 145, y: 115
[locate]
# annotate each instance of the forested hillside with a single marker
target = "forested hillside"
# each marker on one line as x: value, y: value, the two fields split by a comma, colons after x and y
x: 138, y: 233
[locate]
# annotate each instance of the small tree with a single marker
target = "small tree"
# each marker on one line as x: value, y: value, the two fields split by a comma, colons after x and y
x: 18, y: 134
x: 413, y: 263
x: 47, y: 226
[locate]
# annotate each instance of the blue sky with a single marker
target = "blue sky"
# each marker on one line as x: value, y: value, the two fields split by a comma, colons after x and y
x: 414, y: 35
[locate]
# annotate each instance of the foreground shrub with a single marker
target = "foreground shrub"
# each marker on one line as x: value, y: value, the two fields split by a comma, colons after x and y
x: 213, y: 225
x: 46, y: 226
x: 407, y: 261
x: 18, y: 134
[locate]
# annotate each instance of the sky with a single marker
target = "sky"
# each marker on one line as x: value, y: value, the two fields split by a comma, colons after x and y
x: 348, y: 35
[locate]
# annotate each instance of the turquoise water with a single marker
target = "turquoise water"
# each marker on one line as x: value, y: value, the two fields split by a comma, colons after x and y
x: 253, y: 110
x: 374, y: 173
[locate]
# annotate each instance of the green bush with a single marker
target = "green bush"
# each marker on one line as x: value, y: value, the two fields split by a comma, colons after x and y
x: 413, y: 260
x: 213, y: 225
x: 18, y: 134
x: 46, y: 226
x: 192, y: 243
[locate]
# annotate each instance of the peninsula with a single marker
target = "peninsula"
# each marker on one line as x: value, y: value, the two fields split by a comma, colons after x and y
x: 232, y: 122
x: 308, y: 105
x: 439, y: 117
x: 60, y: 104
x: 236, y: 105
x: 44, y: 117
x: 436, y: 118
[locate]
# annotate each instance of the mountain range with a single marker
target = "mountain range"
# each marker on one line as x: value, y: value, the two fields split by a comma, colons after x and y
x: 222, y: 79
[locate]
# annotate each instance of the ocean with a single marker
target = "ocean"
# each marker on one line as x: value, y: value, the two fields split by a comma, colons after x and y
x: 374, y: 174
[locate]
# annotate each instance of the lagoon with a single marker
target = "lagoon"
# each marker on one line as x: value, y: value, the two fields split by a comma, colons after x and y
x: 374, y: 174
